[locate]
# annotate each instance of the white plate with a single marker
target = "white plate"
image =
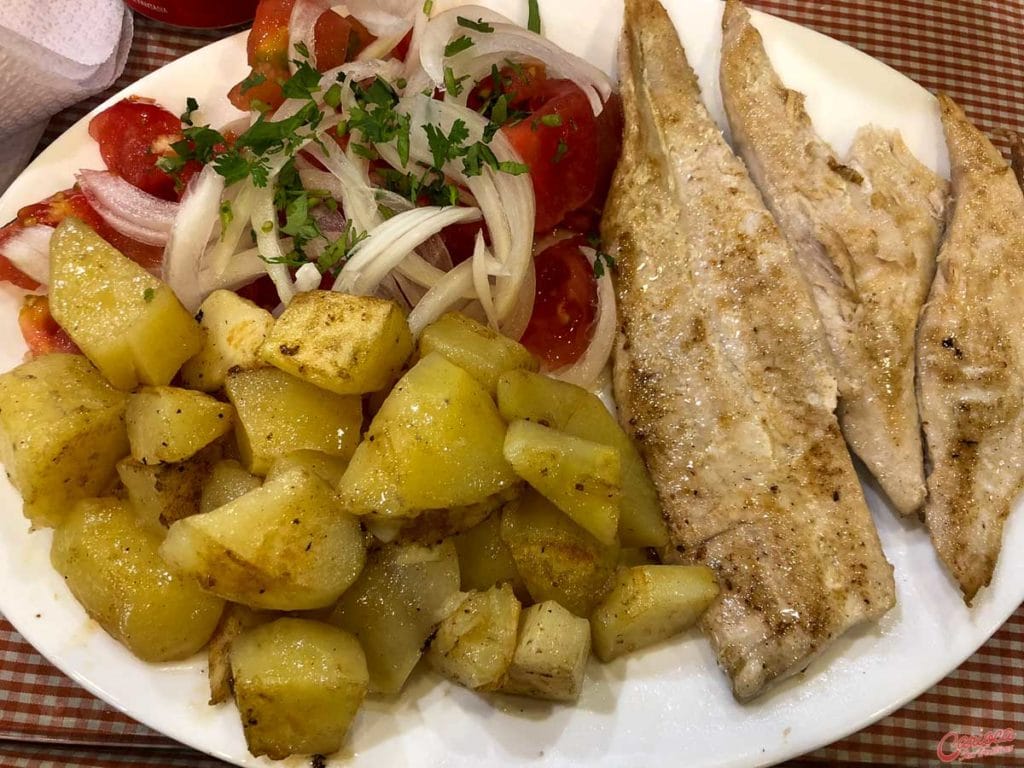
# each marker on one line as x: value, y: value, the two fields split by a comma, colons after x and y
x: 668, y: 705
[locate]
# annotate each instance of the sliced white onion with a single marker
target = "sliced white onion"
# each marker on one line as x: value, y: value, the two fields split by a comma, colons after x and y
x: 392, y: 242
x: 302, y: 26
x: 481, y: 280
x: 352, y: 188
x: 412, y: 58
x: 441, y: 297
x: 244, y: 268
x: 383, y: 46
x: 510, y: 40
x: 515, y: 324
x: 268, y: 240
x: 584, y: 372
x: 197, y: 216
x: 227, y: 243
x: 141, y: 216
x: 384, y: 18
x: 307, y: 278
x: 29, y: 251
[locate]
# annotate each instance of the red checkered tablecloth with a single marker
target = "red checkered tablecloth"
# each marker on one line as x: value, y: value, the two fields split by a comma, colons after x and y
x: 972, y: 49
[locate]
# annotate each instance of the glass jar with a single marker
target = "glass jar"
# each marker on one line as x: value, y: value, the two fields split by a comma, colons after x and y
x: 197, y: 14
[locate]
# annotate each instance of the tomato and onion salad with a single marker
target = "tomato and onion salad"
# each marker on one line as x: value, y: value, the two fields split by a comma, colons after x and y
x: 344, y: 176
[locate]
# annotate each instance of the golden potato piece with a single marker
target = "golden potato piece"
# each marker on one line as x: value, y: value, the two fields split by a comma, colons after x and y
x: 277, y: 414
x: 287, y: 546
x: 551, y: 654
x: 648, y: 604
x: 557, y: 559
x: 580, y: 477
x: 480, y: 351
x: 395, y: 605
x: 233, y: 332
x: 226, y: 482
x: 328, y: 468
x: 435, y: 443
x: 485, y: 559
x: 349, y: 345
x: 476, y: 640
x: 111, y: 565
x: 162, y: 494
x: 298, y: 685
x: 172, y: 424
x: 235, y: 620
x: 572, y: 409
x: 61, y: 433
x: 127, y: 322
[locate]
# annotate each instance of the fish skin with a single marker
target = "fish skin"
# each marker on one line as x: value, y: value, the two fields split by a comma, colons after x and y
x: 866, y: 233
x: 970, y: 359
x: 730, y: 399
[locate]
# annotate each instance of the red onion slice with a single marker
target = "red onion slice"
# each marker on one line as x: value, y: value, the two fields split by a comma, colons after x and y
x: 129, y: 210
x: 29, y: 251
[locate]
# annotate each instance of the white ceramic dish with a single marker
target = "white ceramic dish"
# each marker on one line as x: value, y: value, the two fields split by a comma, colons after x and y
x: 670, y: 705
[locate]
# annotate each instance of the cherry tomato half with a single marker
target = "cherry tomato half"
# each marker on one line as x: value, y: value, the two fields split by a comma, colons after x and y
x: 565, y: 306
x: 133, y: 134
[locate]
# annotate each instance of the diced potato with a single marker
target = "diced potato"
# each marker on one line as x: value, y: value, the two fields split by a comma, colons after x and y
x: 227, y: 481
x: 434, y: 444
x: 432, y: 526
x: 349, y: 345
x: 127, y: 322
x: 233, y: 332
x: 551, y: 654
x: 572, y: 409
x: 111, y: 565
x: 485, y: 560
x: 285, y: 546
x: 648, y: 604
x: 171, y: 424
x: 580, y: 477
x: 637, y: 556
x: 61, y: 433
x: 557, y: 559
x: 162, y: 494
x: 480, y: 351
x: 277, y: 414
x: 328, y: 468
x: 476, y: 640
x: 235, y: 620
x: 395, y: 605
x: 298, y: 685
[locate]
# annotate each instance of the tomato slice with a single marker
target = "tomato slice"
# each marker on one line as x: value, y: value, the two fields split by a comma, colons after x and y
x: 565, y: 305
x: 40, y: 330
x: 559, y: 142
x: 133, y: 134
x: 267, y: 48
x: 339, y: 39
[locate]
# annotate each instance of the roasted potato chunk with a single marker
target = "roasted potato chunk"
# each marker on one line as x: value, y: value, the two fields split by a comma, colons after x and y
x: 349, y: 345
x: 557, y: 558
x: 277, y: 414
x: 648, y: 604
x: 551, y: 654
x: 235, y: 620
x: 298, y: 685
x: 227, y: 481
x: 61, y: 433
x: 127, y: 322
x: 162, y: 494
x: 287, y: 545
x: 172, y: 424
x: 572, y: 409
x: 480, y: 351
x: 395, y: 605
x: 111, y: 565
x: 233, y: 332
x: 328, y: 468
x: 580, y: 477
x: 435, y: 443
x: 476, y: 640
x: 485, y: 559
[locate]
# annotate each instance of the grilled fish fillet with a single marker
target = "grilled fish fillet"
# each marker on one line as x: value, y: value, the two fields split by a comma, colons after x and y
x: 722, y: 375
x: 866, y: 233
x: 970, y: 359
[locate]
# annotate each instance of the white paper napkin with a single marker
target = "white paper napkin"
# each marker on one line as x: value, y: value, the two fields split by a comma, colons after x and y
x: 52, y: 54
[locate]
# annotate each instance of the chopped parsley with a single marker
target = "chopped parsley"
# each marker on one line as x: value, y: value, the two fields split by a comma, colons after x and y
x: 458, y: 45
x: 560, y: 150
x: 428, y: 6
x: 148, y: 294
x: 602, y: 262
x: 452, y: 84
x: 227, y: 215
x: 552, y: 121
x: 477, y: 26
x: 533, y: 21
